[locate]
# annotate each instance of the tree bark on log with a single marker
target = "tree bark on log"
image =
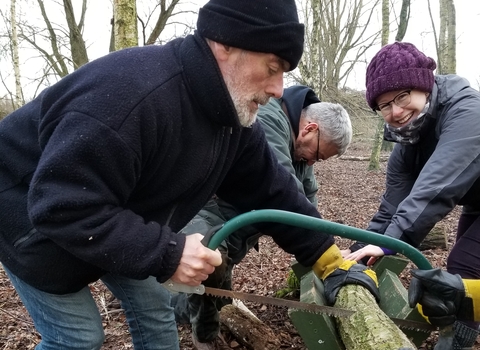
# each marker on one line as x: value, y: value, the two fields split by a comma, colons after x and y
x: 436, y: 239
x: 362, y: 158
x: 248, y: 330
x: 369, y: 328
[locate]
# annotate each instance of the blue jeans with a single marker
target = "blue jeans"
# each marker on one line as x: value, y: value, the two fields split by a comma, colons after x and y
x: 72, y: 321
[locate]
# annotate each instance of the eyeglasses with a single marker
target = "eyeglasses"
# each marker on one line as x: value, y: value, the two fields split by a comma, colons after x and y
x: 401, y: 100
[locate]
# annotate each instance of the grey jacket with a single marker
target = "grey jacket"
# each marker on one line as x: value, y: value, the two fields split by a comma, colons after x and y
x: 427, y: 180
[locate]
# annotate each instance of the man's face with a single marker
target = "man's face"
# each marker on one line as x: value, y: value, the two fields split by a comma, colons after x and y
x: 252, y: 78
x: 311, y: 147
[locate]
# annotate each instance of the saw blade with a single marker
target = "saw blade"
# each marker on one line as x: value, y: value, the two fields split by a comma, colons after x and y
x: 260, y: 299
x: 314, y: 308
x: 414, y: 325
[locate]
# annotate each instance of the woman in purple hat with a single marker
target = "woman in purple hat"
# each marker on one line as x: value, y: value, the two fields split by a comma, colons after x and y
x: 435, y: 165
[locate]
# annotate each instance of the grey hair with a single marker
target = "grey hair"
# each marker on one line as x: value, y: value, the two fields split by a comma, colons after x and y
x: 334, y: 123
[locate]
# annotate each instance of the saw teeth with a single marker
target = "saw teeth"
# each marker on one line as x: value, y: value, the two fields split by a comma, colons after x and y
x: 218, y: 296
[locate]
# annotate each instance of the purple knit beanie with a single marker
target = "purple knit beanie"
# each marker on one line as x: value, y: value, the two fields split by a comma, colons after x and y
x: 398, y: 66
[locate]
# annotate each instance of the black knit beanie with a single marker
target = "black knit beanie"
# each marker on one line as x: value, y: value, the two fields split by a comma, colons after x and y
x: 269, y: 26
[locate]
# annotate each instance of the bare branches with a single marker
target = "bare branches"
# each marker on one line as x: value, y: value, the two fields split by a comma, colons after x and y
x: 163, y: 17
x: 337, y: 36
x: 165, y: 11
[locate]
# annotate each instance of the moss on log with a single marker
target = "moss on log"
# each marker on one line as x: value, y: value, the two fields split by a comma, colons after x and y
x: 369, y: 328
x: 437, y: 238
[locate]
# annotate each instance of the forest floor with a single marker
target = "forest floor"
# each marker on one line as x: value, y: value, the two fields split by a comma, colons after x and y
x: 349, y: 194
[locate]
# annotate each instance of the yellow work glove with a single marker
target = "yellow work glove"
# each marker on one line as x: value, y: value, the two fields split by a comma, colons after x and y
x: 336, y: 273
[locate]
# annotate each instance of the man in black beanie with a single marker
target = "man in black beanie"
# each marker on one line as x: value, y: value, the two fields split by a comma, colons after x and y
x: 103, y: 168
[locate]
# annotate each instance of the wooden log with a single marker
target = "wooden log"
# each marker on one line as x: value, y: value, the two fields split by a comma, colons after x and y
x: 436, y: 238
x: 247, y: 330
x: 369, y: 328
x: 362, y: 158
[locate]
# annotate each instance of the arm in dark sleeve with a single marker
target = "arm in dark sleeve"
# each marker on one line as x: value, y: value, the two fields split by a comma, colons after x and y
x: 78, y: 199
x: 399, y: 182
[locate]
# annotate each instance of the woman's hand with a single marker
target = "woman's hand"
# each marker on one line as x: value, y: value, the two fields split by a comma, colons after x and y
x: 369, y: 250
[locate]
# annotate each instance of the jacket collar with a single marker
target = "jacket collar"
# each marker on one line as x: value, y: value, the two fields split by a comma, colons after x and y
x: 205, y: 81
x: 296, y: 98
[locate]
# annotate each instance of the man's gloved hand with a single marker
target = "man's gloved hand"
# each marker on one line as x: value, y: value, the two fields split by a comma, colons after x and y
x: 336, y: 273
x: 444, y: 297
x: 349, y: 272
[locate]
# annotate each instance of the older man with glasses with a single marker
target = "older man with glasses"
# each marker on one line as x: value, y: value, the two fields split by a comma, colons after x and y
x: 300, y: 130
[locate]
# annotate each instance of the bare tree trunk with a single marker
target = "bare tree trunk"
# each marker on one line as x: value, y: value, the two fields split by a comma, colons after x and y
x: 374, y: 163
x: 18, y: 98
x: 446, y: 41
x: 125, y: 22
x: 404, y: 17
x: 385, y: 22
x: 451, y: 59
x: 77, y: 44
x: 377, y: 142
x: 435, y: 35
x: 442, y: 39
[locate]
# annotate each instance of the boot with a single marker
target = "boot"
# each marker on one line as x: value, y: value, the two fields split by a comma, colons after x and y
x: 465, y: 336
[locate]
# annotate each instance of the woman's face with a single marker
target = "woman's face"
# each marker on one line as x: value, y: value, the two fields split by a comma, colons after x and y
x: 400, y: 107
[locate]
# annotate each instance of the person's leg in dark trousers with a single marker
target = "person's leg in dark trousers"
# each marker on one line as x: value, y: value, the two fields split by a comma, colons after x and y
x: 204, y: 309
x: 464, y: 259
x: 201, y: 310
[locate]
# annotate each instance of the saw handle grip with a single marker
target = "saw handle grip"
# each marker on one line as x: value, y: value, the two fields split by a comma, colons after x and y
x: 200, y: 289
x: 210, y: 233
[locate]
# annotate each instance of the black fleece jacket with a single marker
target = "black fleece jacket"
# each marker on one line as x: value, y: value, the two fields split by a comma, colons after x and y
x: 100, y: 171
